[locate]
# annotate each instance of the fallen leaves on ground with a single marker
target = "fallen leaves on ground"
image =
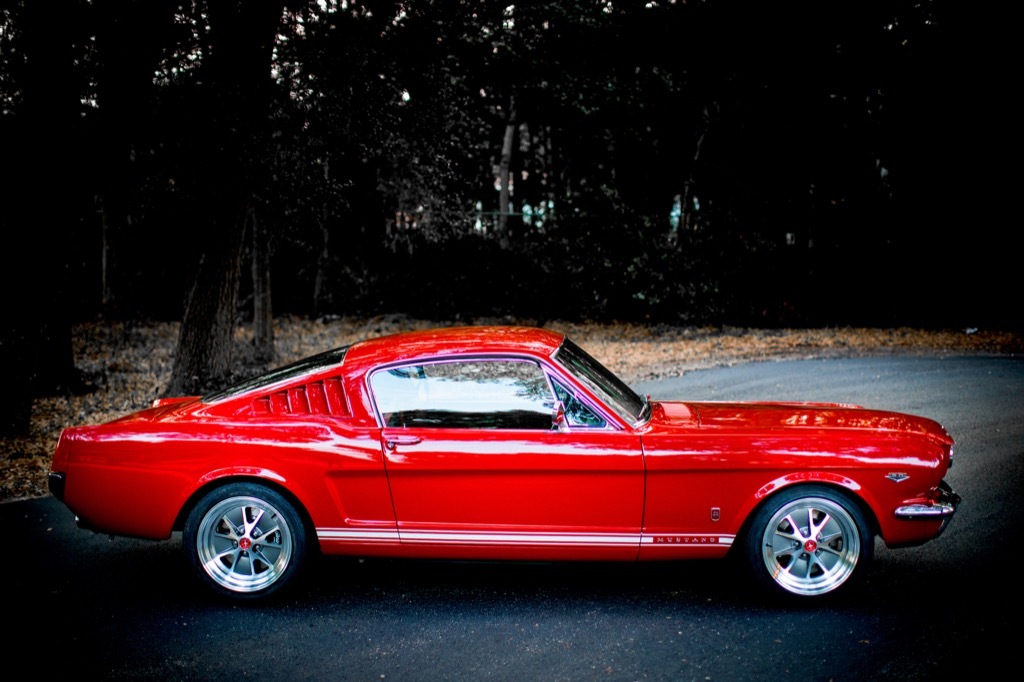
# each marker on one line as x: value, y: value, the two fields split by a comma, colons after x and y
x: 129, y: 363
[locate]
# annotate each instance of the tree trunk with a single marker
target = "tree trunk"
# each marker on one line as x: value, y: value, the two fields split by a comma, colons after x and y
x: 320, y: 282
x: 686, y: 217
x: 262, y: 314
x: 105, y: 295
x: 130, y: 42
x: 504, y: 176
x: 241, y: 39
x: 206, y: 337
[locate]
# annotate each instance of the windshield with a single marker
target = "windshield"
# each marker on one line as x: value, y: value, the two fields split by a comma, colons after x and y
x: 314, y: 362
x: 605, y: 385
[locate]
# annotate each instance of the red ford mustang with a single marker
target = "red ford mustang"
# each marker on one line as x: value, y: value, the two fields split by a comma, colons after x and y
x: 502, y: 443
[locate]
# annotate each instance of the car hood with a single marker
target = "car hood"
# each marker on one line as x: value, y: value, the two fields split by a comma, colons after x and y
x: 776, y: 416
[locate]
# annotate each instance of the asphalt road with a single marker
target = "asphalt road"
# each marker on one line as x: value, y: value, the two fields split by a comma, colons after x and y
x: 103, y: 608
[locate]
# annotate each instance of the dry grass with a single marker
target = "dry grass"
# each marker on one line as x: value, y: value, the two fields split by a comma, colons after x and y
x: 130, y: 363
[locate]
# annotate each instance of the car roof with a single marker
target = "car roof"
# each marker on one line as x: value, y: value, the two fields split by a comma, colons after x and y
x: 453, y: 341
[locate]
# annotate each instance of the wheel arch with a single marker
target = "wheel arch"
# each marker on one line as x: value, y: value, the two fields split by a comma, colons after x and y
x: 841, y: 485
x: 273, y: 484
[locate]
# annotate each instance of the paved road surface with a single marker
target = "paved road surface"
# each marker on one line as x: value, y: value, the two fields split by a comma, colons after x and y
x: 123, y: 609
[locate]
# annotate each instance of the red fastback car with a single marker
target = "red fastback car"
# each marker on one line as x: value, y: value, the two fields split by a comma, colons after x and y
x: 502, y: 443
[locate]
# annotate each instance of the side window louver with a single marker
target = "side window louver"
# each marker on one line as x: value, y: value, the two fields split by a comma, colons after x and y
x: 317, y: 397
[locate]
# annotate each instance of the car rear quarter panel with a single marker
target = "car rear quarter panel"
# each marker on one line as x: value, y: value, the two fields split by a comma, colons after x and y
x: 137, y: 482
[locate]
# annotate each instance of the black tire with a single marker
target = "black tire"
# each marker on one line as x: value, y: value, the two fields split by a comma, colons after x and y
x: 245, y: 541
x: 809, y: 541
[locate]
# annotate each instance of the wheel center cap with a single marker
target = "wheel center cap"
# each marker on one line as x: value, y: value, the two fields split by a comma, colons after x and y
x: 810, y: 546
x: 245, y: 543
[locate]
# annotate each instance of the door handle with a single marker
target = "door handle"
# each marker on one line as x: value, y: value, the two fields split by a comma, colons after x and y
x: 394, y: 441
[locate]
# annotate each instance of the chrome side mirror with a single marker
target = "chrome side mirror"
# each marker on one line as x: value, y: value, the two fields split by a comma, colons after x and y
x: 558, y: 421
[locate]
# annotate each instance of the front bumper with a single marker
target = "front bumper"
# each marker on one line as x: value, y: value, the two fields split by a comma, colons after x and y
x: 942, y: 507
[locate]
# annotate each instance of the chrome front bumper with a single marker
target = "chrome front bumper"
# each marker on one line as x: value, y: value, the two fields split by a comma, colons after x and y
x: 943, y: 507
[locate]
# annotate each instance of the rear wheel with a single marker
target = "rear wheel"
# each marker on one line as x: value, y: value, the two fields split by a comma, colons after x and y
x: 809, y: 541
x: 245, y: 541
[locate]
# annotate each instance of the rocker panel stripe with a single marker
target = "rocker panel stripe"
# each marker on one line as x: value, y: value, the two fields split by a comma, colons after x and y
x: 512, y: 538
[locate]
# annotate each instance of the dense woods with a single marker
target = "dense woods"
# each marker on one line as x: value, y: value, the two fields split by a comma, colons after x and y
x: 701, y: 162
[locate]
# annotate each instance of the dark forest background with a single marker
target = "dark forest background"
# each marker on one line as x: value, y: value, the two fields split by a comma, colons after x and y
x: 701, y: 162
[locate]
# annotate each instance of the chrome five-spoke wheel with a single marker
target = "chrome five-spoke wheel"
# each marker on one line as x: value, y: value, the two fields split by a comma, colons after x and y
x: 245, y: 540
x: 808, y: 542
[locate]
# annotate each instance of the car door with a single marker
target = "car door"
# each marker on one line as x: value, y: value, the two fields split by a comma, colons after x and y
x: 478, y: 468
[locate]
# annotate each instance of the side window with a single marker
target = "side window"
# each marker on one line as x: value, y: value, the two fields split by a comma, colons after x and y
x: 472, y: 394
x: 577, y: 413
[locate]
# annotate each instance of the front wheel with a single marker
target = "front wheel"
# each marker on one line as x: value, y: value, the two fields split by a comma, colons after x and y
x: 809, y: 541
x: 245, y: 541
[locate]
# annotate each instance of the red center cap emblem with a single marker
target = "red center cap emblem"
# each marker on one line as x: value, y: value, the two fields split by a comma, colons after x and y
x: 245, y: 543
x: 811, y: 546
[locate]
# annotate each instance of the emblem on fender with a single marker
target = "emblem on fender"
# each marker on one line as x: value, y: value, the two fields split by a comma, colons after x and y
x: 897, y: 476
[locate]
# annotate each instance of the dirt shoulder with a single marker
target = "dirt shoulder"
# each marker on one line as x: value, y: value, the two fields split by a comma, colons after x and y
x: 129, y: 363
